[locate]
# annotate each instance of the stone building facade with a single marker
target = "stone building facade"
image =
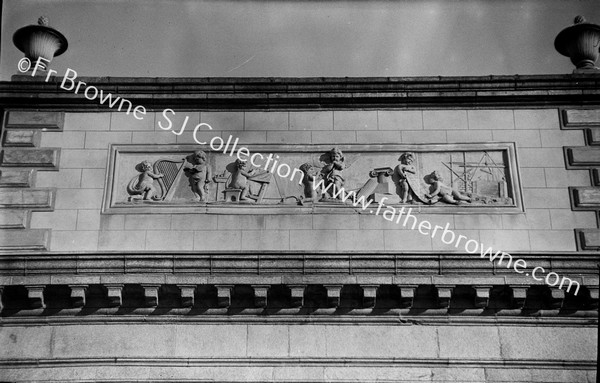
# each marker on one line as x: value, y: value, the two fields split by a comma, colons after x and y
x: 99, y: 283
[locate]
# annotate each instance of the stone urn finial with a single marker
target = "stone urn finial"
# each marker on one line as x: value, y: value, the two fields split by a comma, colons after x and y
x: 40, y: 40
x: 581, y: 43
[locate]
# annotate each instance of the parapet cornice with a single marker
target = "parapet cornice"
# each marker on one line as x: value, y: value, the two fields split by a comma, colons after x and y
x: 313, y: 92
x: 290, y: 262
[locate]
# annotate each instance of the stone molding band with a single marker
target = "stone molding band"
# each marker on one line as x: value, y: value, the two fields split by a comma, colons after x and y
x: 366, y: 362
x: 142, y: 316
x: 274, y: 93
x: 380, y: 264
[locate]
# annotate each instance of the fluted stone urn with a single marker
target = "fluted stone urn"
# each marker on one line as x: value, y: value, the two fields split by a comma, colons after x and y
x: 40, y: 41
x: 581, y: 43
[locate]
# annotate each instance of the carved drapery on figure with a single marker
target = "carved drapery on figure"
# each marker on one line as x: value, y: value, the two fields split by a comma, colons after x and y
x: 443, y: 176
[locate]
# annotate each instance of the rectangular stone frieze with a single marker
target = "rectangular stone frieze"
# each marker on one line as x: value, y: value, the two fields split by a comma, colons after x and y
x: 289, y: 179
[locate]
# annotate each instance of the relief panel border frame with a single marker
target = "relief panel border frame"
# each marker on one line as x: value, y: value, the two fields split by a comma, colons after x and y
x: 108, y: 206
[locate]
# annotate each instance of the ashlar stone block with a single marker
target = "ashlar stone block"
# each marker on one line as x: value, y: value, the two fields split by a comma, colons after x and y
x: 31, y: 157
x: 14, y: 219
x: 35, y: 119
x: 25, y: 138
x: 16, y: 178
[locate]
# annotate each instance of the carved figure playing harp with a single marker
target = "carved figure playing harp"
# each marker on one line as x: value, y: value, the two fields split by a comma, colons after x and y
x: 143, y: 184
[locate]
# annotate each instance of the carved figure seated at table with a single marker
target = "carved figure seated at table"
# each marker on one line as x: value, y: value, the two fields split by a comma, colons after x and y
x: 143, y: 184
x: 439, y: 191
x: 332, y: 172
x: 199, y: 174
x: 239, y: 179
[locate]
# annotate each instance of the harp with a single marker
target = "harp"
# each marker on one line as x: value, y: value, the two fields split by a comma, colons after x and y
x: 172, y: 171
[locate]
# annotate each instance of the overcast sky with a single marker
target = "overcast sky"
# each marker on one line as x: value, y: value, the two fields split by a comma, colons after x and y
x: 300, y: 38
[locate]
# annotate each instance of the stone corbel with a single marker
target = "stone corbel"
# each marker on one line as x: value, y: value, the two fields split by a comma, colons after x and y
x: 187, y: 295
x: 369, y: 295
x: 519, y: 296
x: 297, y: 295
x: 593, y: 297
x: 35, y: 295
x: 407, y: 296
x: 333, y: 295
x: 482, y: 296
x: 224, y: 296
x: 1, y: 294
x: 260, y: 295
x: 114, y: 292
x: 444, y: 296
x: 557, y: 297
x: 151, y: 294
x: 78, y: 295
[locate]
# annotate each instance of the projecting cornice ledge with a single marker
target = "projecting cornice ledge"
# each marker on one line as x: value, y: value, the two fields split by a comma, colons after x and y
x: 296, y: 282
x: 329, y: 92
x: 292, y: 262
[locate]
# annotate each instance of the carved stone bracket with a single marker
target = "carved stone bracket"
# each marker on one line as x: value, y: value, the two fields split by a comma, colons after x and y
x: 444, y: 296
x: 407, y: 295
x: 114, y: 293
x: 557, y: 297
x: 594, y: 298
x: 187, y: 295
x: 297, y: 292
x: 260, y: 295
x: 151, y: 294
x: 333, y: 295
x: 519, y: 296
x: 224, y: 295
x: 369, y: 295
x: 35, y: 295
x: 78, y: 295
x: 482, y: 295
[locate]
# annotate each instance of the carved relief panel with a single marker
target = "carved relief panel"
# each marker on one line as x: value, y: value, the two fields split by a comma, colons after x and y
x: 312, y: 178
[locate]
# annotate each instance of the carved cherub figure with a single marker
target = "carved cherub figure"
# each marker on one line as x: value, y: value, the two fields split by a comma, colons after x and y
x: 440, y: 191
x: 308, y: 180
x: 144, y: 183
x: 239, y: 178
x: 199, y: 173
x: 405, y: 166
x: 332, y: 172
